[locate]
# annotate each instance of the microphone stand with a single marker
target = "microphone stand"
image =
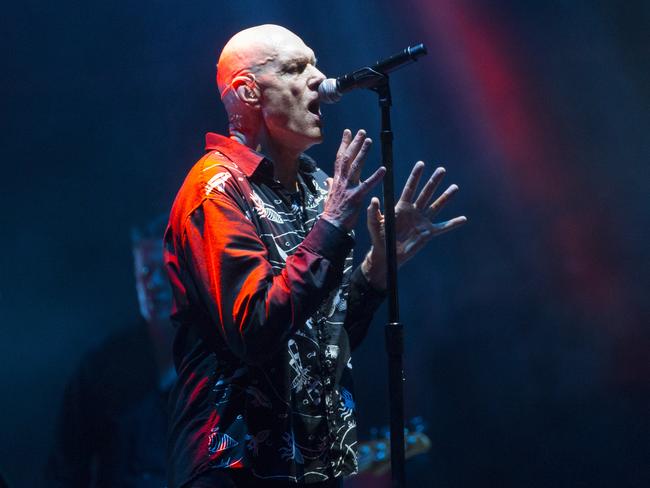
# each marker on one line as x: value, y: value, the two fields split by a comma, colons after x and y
x: 376, y: 79
x: 394, y: 331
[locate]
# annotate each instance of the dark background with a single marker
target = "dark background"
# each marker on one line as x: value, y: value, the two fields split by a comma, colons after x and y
x: 527, y: 332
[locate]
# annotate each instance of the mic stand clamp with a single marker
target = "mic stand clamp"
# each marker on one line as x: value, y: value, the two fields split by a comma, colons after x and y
x: 363, y: 78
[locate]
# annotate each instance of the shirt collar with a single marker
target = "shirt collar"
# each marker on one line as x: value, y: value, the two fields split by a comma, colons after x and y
x: 247, y: 159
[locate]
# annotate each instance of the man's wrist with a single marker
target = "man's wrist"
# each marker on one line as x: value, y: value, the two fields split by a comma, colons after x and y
x: 335, y: 222
x: 328, y: 240
x: 374, y: 272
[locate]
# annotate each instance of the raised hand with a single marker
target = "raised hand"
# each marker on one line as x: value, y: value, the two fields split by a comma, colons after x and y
x: 347, y: 192
x: 414, y: 225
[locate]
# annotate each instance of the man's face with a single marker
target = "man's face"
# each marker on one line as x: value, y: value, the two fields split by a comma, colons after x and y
x: 154, y: 291
x: 289, y: 98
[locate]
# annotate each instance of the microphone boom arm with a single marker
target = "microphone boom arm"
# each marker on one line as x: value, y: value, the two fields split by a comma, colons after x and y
x: 371, y: 77
x: 361, y: 78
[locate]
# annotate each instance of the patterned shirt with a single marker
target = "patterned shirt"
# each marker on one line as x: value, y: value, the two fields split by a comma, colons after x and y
x: 267, y: 309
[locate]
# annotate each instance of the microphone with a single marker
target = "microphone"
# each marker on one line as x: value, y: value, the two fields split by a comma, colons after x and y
x: 331, y: 90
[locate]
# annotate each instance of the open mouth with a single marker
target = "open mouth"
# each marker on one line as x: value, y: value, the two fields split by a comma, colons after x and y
x: 314, y: 107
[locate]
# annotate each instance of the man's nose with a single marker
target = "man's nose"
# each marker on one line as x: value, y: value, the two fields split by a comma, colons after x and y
x: 316, y: 78
x: 157, y: 280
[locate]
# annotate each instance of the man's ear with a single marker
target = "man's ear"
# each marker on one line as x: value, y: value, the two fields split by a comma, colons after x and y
x: 247, y: 89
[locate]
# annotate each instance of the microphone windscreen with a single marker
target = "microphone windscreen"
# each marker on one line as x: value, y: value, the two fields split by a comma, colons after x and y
x: 328, y: 91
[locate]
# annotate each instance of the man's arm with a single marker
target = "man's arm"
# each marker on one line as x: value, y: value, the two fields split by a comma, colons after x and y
x: 363, y: 301
x: 414, y: 226
x: 254, y: 309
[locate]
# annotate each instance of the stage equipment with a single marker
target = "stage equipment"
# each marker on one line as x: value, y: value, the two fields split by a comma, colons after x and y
x: 332, y: 89
x: 375, y: 78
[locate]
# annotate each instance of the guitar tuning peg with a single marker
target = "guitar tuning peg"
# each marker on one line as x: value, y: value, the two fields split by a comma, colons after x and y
x: 374, y: 433
x: 380, y: 455
x: 417, y: 424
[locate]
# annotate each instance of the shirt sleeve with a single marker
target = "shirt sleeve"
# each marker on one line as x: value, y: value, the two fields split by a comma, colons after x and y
x: 363, y: 302
x: 253, y: 309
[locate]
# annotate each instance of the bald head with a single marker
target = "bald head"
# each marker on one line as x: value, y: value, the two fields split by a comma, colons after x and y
x: 250, y: 50
x: 268, y: 82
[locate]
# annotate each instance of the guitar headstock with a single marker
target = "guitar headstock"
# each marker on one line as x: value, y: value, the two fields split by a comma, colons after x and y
x: 374, y: 455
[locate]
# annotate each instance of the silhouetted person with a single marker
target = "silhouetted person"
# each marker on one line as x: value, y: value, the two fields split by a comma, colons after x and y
x: 111, y: 430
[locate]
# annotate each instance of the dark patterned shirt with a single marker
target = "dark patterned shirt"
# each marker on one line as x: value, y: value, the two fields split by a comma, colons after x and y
x: 268, y: 310
x: 112, y: 422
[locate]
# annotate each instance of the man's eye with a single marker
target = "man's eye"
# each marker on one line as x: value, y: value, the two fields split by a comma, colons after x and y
x: 297, y: 68
x: 144, y: 272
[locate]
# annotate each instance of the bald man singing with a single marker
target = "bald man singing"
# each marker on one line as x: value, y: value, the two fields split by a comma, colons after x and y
x: 268, y: 306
